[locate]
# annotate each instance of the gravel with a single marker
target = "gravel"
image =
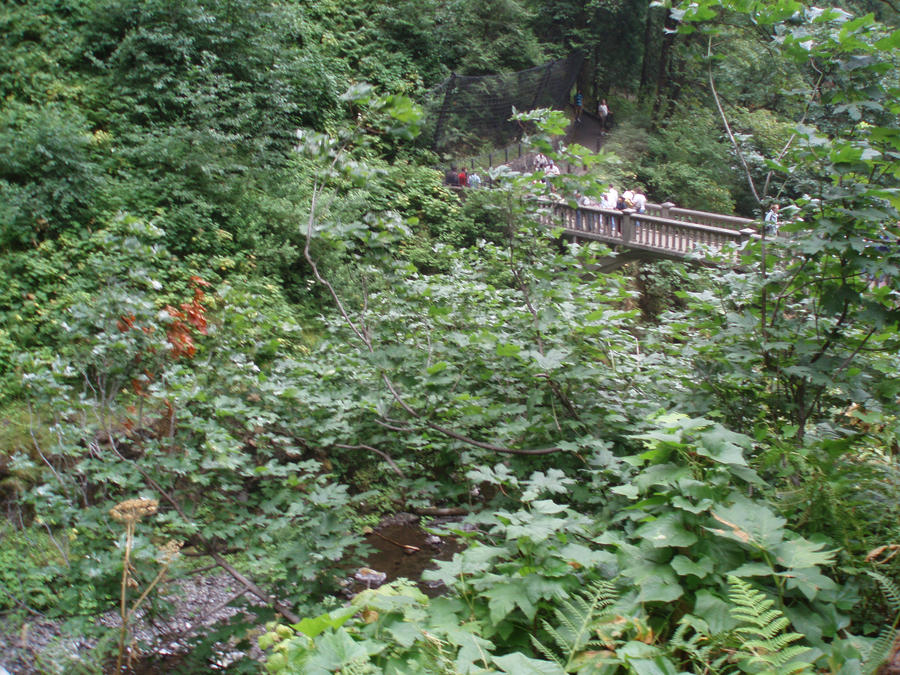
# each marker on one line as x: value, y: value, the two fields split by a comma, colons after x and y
x: 196, y: 602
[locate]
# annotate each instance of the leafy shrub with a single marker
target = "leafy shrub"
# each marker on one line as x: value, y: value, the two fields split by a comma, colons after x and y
x: 48, y: 172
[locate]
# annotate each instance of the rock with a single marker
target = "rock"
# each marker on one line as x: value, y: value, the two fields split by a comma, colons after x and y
x: 370, y: 577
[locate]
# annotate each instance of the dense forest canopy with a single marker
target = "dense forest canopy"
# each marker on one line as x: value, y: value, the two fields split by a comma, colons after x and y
x: 242, y: 319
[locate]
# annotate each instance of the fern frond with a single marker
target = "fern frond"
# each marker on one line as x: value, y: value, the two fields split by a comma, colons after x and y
x: 883, y: 646
x: 890, y: 590
x: 574, y: 620
x: 770, y: 646
x: 765, y: 626
x: 880, y: 650
x: 701, y: 648
x: 547, y: 653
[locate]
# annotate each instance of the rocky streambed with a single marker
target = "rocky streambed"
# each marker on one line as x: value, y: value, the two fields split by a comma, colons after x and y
x: 397, y: 548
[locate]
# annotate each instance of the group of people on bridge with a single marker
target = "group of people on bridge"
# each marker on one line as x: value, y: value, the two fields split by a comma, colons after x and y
x: 611, y: 199
x: 461, y: 178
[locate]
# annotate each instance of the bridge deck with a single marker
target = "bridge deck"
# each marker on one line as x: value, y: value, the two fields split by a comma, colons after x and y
x: 663, y: 235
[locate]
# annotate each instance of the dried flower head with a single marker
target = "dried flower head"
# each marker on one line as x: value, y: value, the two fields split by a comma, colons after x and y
x: 132, y: 510
x: 169, y: 550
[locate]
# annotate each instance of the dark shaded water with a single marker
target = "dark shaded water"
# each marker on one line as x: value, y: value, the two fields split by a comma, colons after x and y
x: 405, y: 550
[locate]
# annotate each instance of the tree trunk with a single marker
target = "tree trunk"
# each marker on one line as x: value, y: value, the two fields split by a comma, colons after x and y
x: 660, y: 106
x: 649, y: 51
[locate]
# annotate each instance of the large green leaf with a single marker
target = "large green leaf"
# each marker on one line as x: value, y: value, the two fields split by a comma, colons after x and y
x: 519, y: 664
x: 749, y: 522
x: 667, y: 530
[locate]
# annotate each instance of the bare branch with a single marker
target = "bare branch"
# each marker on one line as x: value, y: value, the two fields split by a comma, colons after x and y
x: 378, y: 452
x: 734, y: 143
x: 312, y: 263
x: 462, y: 437
x: 224, y: 564
x: 787, y: 145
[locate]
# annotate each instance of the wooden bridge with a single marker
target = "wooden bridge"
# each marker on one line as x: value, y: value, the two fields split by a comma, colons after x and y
x: 663, y: 231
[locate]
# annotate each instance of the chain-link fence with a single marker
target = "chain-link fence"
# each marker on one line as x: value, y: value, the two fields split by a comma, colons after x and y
x: 465, y: 114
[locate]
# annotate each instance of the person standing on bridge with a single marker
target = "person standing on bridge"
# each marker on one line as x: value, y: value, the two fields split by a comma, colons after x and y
x: 640, y: 201
x: 771, y: 220
x: 463, y: 178
x: 612, y: 197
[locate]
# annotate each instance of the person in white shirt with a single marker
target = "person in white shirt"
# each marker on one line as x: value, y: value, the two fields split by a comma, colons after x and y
x: 640, y: 201
x: 772, y: 220
x: 602, y: 112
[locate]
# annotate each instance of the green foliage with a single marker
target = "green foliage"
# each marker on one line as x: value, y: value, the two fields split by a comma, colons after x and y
x: 576, y: 620
x: 29, y: 562
x: 770, y: 648
x: 883, y: 647
x: 49, y: 172
x: 627, y: 479
x: 168, y: 400
x: 670, y: 167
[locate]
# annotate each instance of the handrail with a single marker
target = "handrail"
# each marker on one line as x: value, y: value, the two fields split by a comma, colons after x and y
x: 669, y: 210
x: 643, y: 231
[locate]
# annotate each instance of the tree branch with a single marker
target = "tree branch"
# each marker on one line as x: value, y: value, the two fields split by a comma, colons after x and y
x: 312, y: 263
x: 462, y: 437
x: 378, y: 452
x: 224, y: 564
x: 734, y: 143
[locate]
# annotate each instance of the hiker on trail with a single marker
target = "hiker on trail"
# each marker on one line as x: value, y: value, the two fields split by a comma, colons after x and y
x: 451, y: 177
x: 463, y: 178
x: 474, y: 180
x: 579, y: 105
x: 771, y: 220
x: 602, y: 112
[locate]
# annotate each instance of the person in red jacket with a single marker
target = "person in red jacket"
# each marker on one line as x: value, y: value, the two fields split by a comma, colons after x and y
x: 463, y: 178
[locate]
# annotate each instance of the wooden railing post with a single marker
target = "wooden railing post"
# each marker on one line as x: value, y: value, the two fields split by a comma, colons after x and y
x: 664, y: 209
x: 627, y: 225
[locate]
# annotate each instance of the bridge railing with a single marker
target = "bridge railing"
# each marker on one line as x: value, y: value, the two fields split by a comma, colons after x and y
x: 669, y: 210
x: 677, y: 238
